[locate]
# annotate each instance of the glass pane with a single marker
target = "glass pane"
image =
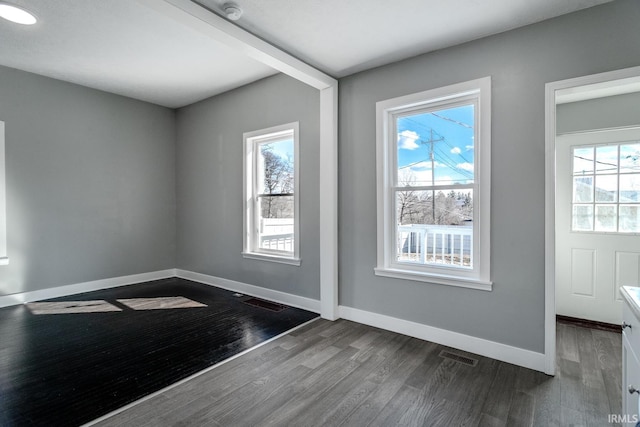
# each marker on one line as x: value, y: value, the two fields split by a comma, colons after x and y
x: 275, y: 167
x: 630, y: 188
x: 606, y: 188
x: 629, y: 158
x: 435, y: 227
x: 436, y: 147
x: 583, y: 189
x: 583, y: 160
x: 606, y: 218
x: 607, y: 159
x: 276, y: 223
x: 582, y: 218
x: 630, y: 219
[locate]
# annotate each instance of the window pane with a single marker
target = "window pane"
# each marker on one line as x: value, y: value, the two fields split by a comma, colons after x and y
x: 582, y: 218
x: 606, y: 188
x: 630, y: 219
x: 435, y: 227
x: 630, y: 188
x: 583, y: 189
x: 607, y: 159
x: 629, y: 158
x: 275, y: 167
x: 276, y: 223
x: 436, y: 147
x: 583, y: 160
x: 606, y: 218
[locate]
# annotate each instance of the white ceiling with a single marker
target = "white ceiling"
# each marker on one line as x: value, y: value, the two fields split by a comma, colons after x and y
x: 125, y: 47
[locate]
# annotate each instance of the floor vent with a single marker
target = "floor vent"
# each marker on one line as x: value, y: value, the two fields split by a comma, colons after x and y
x: 268, y: 305
x: 457, y: 358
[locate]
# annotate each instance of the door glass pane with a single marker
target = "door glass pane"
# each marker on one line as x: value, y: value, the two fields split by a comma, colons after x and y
x: 606, y: 218
x: 436, y: 147
x: 607, y: 159
x: 583, y: 160
x: 582, y: 218
x: 629, y: 158
x: 630, y: 219
x: 606, y: 188
x: 630, y: 188
x: 583, y: 189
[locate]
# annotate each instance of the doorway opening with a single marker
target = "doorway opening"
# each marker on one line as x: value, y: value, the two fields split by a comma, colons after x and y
x: 585, y: 258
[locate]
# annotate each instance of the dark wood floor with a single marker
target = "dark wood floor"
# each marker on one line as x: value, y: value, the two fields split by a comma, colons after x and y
x: 105, y: 349
x: 346, y: 374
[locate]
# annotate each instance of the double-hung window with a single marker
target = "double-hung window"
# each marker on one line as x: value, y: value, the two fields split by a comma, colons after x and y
x: 271, y: 226
x: 433, y: 167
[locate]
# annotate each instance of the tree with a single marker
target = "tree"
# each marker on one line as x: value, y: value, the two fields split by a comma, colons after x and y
x: 279, y: 181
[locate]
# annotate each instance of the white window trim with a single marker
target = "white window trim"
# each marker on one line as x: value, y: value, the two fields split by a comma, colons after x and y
x: 479, y: 277
x: 4, y: 259
x: 250, y: 249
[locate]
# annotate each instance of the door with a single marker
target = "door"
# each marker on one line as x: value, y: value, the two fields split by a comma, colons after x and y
x: 597, y: 222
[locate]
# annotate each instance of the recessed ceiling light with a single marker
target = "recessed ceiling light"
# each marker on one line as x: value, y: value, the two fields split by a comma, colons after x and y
x: 16, y: 14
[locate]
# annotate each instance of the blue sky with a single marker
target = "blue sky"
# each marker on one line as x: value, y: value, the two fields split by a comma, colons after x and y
x: 452, y: 129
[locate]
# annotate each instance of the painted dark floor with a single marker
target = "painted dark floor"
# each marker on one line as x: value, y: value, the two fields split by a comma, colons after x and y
x: 68, y: 369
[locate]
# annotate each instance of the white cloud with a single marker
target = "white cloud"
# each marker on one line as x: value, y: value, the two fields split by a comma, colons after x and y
x: 407, y: 140
x: 465, y: 166
x: 456, y: 150
x: 469, y: 147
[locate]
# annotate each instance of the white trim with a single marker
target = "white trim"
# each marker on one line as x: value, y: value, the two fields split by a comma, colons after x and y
x: 201, y: 19
x: 78, y: 288
x: 328, y: 192
x: 442, y: 279
x: 223, y: 31
x: 477, y: 91
x: 251, y: 140
x: 190, y: 377
x: 256, y: 291
x: 272, y: 258
x: 550, y: 205
x: 495, y: 350
x: 4, y: 260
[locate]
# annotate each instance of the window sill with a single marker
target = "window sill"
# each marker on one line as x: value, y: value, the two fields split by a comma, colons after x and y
x: 272, y: 258
x: 440, y: 279
x: 4, y: 260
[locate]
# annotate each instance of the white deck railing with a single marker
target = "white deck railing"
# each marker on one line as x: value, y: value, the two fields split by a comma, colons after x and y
x: 435, y: 244
x: 277, y: 242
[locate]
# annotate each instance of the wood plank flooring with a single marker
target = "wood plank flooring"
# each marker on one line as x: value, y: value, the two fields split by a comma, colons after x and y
x: 347, y: 374
x: 70, y: 360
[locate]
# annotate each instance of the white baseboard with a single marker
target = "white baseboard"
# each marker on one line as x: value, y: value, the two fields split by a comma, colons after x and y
x: 78, y: 288
x: 492, y: 349
x: 255, y: 291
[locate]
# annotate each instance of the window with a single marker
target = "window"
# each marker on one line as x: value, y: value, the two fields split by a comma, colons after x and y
x: 606, y: 188
x: 433, y: 158
x: 271, y: 194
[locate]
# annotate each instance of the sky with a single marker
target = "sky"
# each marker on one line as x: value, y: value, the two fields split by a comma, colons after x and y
x: 453, y: 146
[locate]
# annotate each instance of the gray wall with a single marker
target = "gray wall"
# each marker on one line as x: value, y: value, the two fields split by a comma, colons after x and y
x: 602, y: 113
x: 90, y: 184
x: 520, y: 62
x: 209, y: 183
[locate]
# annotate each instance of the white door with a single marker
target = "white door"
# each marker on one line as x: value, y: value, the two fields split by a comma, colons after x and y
x: 597, y: 222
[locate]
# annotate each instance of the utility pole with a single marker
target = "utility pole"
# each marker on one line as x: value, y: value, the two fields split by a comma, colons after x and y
x: 431, y: 141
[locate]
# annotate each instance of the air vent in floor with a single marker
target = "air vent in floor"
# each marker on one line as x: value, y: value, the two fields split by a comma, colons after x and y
x: 268, y: 305
x: 458, y: 358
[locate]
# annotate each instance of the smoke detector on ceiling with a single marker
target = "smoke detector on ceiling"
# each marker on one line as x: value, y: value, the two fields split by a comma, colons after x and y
x: 232, y: 11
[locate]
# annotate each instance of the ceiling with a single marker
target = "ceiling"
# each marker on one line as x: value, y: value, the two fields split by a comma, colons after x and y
x: 128, y: 48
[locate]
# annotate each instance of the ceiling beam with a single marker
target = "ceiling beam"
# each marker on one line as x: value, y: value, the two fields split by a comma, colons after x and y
x: 201, y: 19
x: 240, y: 40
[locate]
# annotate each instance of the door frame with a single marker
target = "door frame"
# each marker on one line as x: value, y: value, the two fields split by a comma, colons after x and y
x: 550, y: 199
